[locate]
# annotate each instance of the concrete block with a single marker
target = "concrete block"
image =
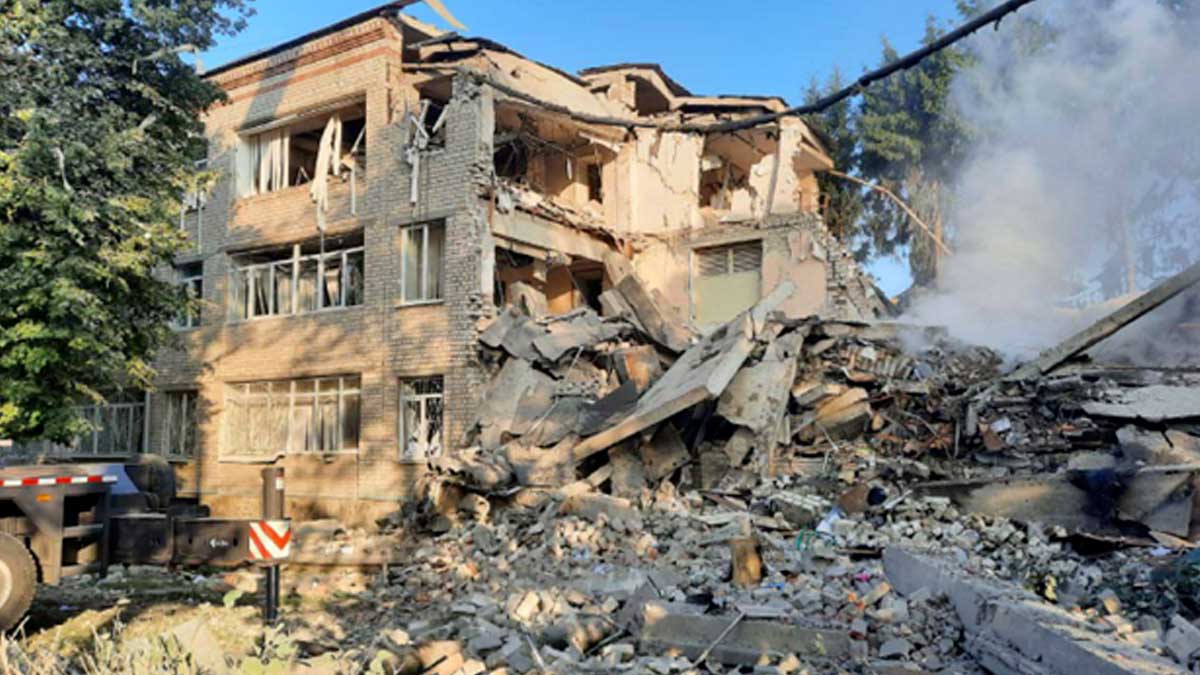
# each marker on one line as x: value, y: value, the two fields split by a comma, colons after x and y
x: 1183, y: 639
x: 748, y: 642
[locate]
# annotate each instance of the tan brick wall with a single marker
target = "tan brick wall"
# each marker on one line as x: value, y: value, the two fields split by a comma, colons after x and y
x: 381, y: 340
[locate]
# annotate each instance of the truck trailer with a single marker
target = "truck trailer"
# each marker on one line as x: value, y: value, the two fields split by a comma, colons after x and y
x: 64, y: 520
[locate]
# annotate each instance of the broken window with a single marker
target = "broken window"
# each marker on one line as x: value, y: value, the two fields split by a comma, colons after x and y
x: 729, y: 165
x: 265, y: 419
x: 421, y: 248
x: 511, y: 157
x: 287, y: 152
x: 718, y: 181
x: 420, y: 417
x: 434, y: 100
x: 726, y: 280
x: 298, y: 279
x: 190, y: 279
x: 179, y: 424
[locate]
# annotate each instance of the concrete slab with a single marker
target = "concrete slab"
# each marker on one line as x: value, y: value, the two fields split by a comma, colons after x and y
x: 749, y: 641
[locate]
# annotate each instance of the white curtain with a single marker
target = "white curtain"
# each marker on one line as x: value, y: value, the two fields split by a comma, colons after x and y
x: 328, y: 160
x: 272, y: 161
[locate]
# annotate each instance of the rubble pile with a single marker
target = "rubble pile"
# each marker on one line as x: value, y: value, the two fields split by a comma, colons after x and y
x: 752, y: 478
x: 634, y: 398
x: 588, y: 582
x: 1080, y: 408
x: 1107, y: 453
x: 777, y: 496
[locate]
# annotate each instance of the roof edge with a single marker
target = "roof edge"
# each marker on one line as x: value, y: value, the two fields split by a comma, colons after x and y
x: 372, y: 13
x: 676, y: 88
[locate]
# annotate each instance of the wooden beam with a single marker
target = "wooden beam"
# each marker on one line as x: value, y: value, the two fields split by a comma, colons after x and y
x: 1074, y: 345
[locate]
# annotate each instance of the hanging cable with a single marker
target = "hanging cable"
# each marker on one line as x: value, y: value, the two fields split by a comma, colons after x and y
x: 903, y: 63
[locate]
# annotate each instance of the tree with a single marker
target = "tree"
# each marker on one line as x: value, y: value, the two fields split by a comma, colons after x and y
x: 100, y: 122
x: 911, y: 143
x: 841, y: 202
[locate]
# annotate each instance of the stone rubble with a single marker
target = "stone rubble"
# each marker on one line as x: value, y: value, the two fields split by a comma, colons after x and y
x: 843, y: 459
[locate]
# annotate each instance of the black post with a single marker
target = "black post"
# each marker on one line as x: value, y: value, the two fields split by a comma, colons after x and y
x: 272, y: 507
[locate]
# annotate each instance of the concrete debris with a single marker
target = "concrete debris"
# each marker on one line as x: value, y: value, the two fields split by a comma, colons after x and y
x: 651, y: 311
x: 1011, y: 631
x: 790, y: 455
x: 1155, y: 403
x: 1182, y: 640
x: 674, y: 448
x: 779, y: 495
x: 747, y: 644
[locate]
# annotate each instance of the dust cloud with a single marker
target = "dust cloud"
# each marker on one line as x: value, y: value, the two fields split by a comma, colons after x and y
x: 1080, y: 187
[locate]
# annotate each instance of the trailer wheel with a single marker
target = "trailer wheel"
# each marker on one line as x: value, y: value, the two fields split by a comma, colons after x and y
x: 18, y: 580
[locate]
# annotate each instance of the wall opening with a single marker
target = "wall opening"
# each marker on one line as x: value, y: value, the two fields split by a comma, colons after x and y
x: 434, y: 100
x: 190, y: 279
x: 421, y: 420
x: 285, y: 153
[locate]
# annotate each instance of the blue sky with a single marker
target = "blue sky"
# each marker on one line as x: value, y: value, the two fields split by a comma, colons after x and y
x: 710, y: 46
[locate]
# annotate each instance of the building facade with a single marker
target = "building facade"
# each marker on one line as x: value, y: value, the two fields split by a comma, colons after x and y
x: 381, y: 188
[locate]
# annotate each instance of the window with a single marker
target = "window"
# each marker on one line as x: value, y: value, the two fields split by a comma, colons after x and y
x: 195, y: 198
x: 420, y: 417
x: 298, y: 280
x: 117, y: 428
x: 265, y: 419
x: 431, y: 112
x: 595, y: 183
x: 421, y: 262
x: 179, y: 424
x: 285, y: 153
x: 726, y: 280
x: 191, y: 281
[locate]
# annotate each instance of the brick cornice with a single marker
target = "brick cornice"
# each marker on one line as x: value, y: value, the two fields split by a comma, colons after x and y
x: 303, y: 55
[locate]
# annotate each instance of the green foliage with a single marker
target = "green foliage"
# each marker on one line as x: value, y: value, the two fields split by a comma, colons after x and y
x: 231, y: 598
x: 842, y: 202
x: 99, y: 127
x: 911, y: 143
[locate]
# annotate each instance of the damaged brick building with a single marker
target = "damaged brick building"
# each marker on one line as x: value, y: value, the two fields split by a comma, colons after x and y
x: 384, y: 187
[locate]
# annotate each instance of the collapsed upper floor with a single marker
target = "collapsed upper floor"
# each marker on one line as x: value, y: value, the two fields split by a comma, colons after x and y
x: 356, y: 107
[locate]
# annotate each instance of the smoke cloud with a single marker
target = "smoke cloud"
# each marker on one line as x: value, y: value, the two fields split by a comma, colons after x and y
x: 1082, y: 176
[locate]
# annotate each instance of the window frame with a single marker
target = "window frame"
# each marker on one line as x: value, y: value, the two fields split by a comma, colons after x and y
x: 403, y: 399
x: 246, y: 396
x: 194, y: 319
x: 251, y: 144
x: 694, y: 266
x: 167, y: 446
x: 194, y: 201
x: 295, y: 262
x: 425, y: 226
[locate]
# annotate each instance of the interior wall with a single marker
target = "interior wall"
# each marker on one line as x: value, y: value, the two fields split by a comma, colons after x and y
x: 788, y: 254
x: 665, y: 173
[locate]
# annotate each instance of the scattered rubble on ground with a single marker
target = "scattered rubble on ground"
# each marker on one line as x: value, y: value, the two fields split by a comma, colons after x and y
x: 776, y: 496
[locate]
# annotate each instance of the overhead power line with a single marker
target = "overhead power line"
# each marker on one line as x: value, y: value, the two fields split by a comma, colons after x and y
x: 903, y: 63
